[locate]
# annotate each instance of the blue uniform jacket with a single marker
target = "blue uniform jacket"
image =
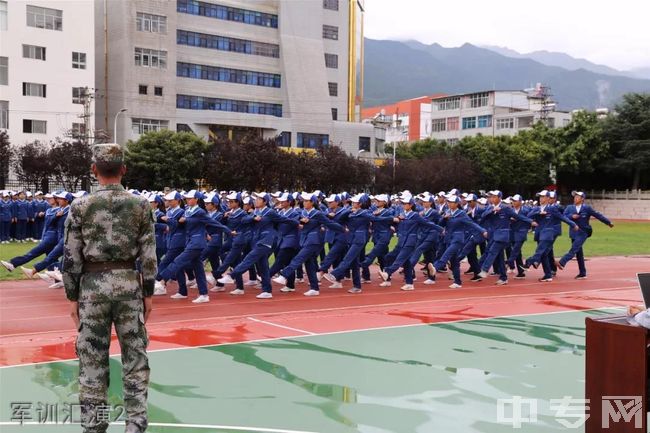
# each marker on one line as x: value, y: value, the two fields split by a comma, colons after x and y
x: 547, y: 219
x: 22, y: 210
x: 311, y: 231
x: 518, y: 228
x: 264, y: 226
x: 340, y: 217
x: 358, y: 225
x: 407, y: 229
x: 6, y: 211
x: 216, y: 233
x: 287, y: 231
x: 239, y: 221
x: 176, y: 234
x: 425, y: 233
x: 382, y: 224
x: 499, y: 220
x: 60, y: 221
x: 50, y: 225
x: 457, y: 224
x: 160, y: 229
x: 196, y: 221
x: 585, y: 214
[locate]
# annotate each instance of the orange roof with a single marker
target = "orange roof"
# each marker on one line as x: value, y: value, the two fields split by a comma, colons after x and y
x: 410, y: 106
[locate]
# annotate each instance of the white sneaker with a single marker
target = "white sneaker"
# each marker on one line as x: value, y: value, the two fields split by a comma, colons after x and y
x: 330, y: 278
x: 429, y: 282
x: 383, y: 275
x: 336, y: 286
x: 247, y: 283
x: 407, y: 287
x: 45, y: 277
x: 319, y: 276
x: 191, y: 284
x: 482, y: 274
x: 237, y: 292
x: 300, y: 280
x: 354, y: 290
x: 159, y: 285
x: 201, y: 299
x: 58, y: 285
x: 55, y: 274
x: 280, y: 280
x: 178, y: 296
x: 8, y: 266
x: 286, y: 289
x: 366, y: 281
x: 159, y: 291
x: 210, y: 279
x: 455, y: 286
x: 501, y: 282
x: 264, y: 295
x: 218, y: 289
x: 226, y: 279
x: 311, y: 292
x: 386, y: 284
x: 29, y: 273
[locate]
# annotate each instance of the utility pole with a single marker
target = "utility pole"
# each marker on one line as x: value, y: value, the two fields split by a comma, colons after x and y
x: 87, y: 98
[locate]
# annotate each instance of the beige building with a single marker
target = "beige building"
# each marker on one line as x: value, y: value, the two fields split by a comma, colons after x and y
x: 290, y: 69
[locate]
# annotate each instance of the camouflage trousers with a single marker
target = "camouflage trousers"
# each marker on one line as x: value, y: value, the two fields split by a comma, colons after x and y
x: 92, y: 346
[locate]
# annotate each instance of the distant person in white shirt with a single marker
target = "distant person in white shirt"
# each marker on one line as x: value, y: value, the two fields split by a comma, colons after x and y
x: 639, y: 316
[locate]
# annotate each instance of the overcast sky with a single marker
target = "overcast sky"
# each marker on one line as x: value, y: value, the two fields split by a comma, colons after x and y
x: 611, y: 32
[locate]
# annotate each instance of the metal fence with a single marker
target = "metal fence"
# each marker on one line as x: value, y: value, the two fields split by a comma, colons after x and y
x: 49, y: 186
x: 628, y: 194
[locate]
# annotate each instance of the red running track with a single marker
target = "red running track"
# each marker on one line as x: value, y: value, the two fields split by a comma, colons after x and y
x: 35, y: 325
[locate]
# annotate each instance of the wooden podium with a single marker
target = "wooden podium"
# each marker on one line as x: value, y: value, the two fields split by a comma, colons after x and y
x: 616, y: 366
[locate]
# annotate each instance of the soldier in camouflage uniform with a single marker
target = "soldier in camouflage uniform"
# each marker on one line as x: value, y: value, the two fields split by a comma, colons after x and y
x: 105, y: 233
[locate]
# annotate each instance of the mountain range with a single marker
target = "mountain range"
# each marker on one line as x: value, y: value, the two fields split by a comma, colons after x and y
x: 396, y: 70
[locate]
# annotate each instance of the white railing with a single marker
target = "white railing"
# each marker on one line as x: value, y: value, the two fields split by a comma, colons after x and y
x: 628, y: 194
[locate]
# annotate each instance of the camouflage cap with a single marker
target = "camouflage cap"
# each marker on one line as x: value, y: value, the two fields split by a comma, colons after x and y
x: 110, y: 153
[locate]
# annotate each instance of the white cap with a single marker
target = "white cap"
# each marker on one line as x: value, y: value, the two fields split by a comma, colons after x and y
x: 496, y: 193
x: 333, y: 198
x: 517, y: 197
x: 579, y: 193
x: 543, y: 193
x: 382, y: 197
x: 173, y: 195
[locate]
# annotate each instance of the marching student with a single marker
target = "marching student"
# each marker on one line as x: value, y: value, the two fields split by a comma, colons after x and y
x: 580, y: 213
x: 311, y: 243
x: 214, y: 249
x: 21, y: 217
x: 264, y: 220
x: 408, y: 224
x: 288, y: 243
x: 499, y: 216
x: 428, y: 238
x: 546, y: 217
x: 6, y: 216
x: 158, y: 209
x: 31, y: 214
x: 474, y: 212
x: 382, y: 231
x: 41, y: 207
x: 456, y: 224
x: 338, y: 242
x: 357, y: 225
x: 175, y: 242
x: 48, y: 242
x: 519, y: 234
x: 553, y: 201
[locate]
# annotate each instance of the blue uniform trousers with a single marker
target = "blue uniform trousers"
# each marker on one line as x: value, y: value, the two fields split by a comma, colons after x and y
x: 187, y: 259
x: 541, y: 255
x: 495, y: 256
x: 403, y: 259
x: 350, y: 262
x: 38, y: 250
x: 167, y: 260
x: 21, y: 230
x: 257, y: 257
x: 51, y: 260
x: 282, y: 259
x: 451, y: 255
x: 334, y: 255
x: 576, y: 251
x: 307, y: 256
x: 5, y: 230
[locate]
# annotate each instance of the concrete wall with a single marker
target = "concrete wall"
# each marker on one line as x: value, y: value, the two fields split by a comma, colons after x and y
x: 623, y: 209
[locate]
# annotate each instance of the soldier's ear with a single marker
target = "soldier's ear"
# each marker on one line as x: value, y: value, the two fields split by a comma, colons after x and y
x: 123, y: 170
x: 93, y: 169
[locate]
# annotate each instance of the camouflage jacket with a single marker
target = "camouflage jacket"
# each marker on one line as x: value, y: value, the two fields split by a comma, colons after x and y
x: 110, y: 225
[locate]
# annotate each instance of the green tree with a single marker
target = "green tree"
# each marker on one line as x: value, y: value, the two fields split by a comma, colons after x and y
x: 581, y: 145
x: 32, y: 164
x: 165, y: 158
x: 628, y: 131
x: 71, y: 161
x: 6, y: 155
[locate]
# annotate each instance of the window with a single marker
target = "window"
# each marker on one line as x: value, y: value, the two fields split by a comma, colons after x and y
x: 525, y: 122
x: 452, y: 141
x: 478, y: 100
x: 485, y: 121
x: 151, y: 23
x: 4, y: 114
x: 364, y: 144
x: 3, y: 15
x: 78, y: 95
x: 469, y: 122
x: 142, y: 89
x: 228, y: 13
x: 334, y: 89
x: 150, y: 58
x: 78, y: 60
x: 439, y: 125
x: 448, y: 104
x: 34, y: 126
x: 506, y: 123
x: 158, y: 91
x: 332, y: 5
x: 190, y: 102
x: 44, y: 18
x: 78, y: 130
x: 284, y: 139
x: 34, y: 89
x: 452, y: 123
x: 223, y: 43
x: 142, y: 126
x: 550, y: 122
x: 331, y: 61
x: 33, y: 52
x: 335, y: 114
x: 4, y: 71
x: 312, y: 141
x: 330, y: 32
x: 216, y: 73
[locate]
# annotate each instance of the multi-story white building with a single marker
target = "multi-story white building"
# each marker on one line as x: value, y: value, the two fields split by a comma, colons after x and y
x: 46, y: 63
x: 290, y: 69
x: 495, y: 112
